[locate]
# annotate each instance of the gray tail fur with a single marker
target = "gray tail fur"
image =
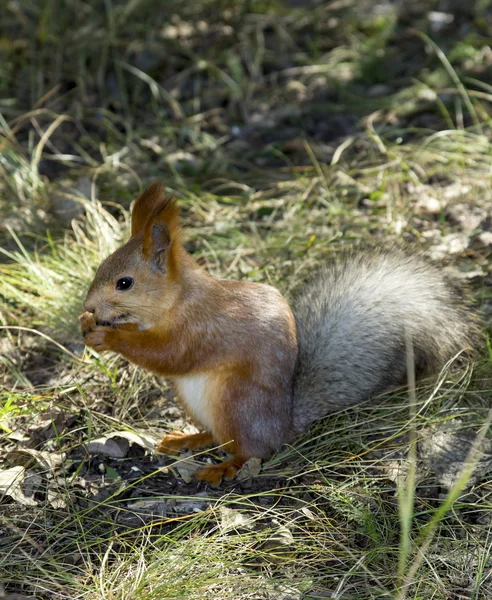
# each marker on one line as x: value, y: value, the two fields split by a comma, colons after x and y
x: 353, y: 318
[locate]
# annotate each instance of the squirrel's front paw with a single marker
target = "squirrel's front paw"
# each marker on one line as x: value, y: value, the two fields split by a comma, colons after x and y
x: 87, y: 322
x: 97, y: 338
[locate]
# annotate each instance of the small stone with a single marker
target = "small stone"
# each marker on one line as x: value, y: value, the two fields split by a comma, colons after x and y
x: 455, y: 190
x: 467, y: 217
x: 433, y: 235
x: 455, y: 243
x: 428, y: 204
x: 483, y: 240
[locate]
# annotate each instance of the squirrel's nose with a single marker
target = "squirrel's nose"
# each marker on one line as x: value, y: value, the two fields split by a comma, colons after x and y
x: 89, y: 308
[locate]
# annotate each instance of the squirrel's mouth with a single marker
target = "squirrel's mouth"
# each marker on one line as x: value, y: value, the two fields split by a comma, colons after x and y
x: 115, y: 321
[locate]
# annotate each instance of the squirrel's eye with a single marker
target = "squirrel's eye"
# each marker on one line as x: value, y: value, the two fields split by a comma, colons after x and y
x: 125, y: 283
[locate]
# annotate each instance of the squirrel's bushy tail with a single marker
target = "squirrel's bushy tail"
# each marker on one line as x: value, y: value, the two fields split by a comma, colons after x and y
x: 352, y: 319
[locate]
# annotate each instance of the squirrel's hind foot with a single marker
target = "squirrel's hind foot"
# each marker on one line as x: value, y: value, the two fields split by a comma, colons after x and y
x: 214, y: 474
x: 175, y: 441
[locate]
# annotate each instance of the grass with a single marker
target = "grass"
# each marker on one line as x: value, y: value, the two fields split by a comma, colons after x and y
x: 288, y: 131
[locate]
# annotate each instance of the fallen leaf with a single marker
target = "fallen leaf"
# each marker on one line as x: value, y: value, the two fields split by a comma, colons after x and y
x: 232, y: 520
x: 279, y: 545
x: 250, y: 469
x: 186, y: 468
x: 108, y: 447
x: 51, y: 424
x: 11, y: 484
x: 32, y: 482
x: 117, y: 443
x: 151, y: 509
x: 143, y: 511
x: 30, y: 459
x: 56, y: 499
x: 145, y: 440
x: 186, y: 506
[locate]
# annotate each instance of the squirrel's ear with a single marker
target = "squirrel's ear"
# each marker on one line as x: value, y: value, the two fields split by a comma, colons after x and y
x: 161, y: 233
x: 161, y: 241
x: 145, y: 206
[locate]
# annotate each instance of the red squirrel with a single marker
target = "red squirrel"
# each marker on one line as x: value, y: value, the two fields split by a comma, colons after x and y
x: 246, y: 370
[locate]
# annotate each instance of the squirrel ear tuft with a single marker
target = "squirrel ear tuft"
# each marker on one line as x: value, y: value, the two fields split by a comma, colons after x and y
x: 146, y: 205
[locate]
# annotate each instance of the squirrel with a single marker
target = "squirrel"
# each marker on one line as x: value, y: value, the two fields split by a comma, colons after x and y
x: 250, y: 370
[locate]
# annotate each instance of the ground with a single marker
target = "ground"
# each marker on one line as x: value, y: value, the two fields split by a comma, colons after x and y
x: 288, y: 131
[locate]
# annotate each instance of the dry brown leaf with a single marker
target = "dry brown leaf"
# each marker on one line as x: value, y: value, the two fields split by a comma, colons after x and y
x: 114, y: 448
x: 31, y: 459
x: 117, y: 443
x: 12, y: 484
x: 250, y: 469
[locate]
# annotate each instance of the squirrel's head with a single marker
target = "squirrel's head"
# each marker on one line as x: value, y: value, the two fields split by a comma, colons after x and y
x: 141, y: 279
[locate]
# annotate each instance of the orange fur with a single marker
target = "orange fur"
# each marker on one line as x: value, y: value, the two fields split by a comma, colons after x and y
x: 230, y: 346
x: 151, y: 200
x: 174, y: 442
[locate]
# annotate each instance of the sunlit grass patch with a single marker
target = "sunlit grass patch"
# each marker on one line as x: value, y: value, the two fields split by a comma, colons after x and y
x: 46, y: 287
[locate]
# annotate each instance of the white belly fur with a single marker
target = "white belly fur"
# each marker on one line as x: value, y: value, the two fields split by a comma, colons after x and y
x: 192, y: 391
